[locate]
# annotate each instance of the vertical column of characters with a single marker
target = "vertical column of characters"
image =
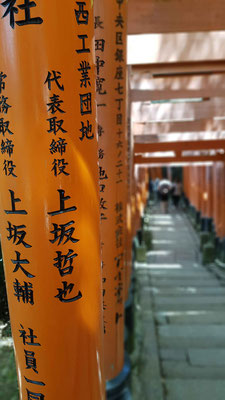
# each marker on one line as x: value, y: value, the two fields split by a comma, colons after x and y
x: 121, y: 179
x: 83, y: 66
x: 87, y: 131
x: 56, y: 128
x: 128, y: 269
x: 24, y: 292
x: 102, y: 108
x: 7, y: 145
x: 62, y: 233
x: 23, y: 285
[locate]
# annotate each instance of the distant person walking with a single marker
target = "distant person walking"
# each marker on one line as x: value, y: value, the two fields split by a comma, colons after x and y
x: 156, y: 193
x: 164, y: 189
x: 177, y: 191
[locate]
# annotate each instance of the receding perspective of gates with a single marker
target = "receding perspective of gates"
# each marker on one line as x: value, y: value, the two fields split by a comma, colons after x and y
x: 112, y: 200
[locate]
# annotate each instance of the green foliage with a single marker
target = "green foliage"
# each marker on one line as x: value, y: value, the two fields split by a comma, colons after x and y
x: 8, y: 376
x: 6, y: 332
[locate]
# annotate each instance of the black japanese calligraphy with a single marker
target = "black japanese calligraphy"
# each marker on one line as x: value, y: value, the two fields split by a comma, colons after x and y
x: 30, y: 359
x: 62, y: 200
x: 99, y: 64
x: 26, y: 6
x: 101, y: 154
x: 17, y: 233
x: 85, y: 104
x: 119, y: 75
x: 63, y: 232
x: 9, y: 168
x: 119, y: 38
x: 83, y: 49
x: 100, y: 130
x: 14, y: 200
x: 67, y: 289
x: 58, y: 146
x: 120, y: 2
x: 99, y: 45
x: 55, y: 104
x: 59, y: 167
x: 119, y: 21
x: 18, y: 265
x: 54, y: 76
x: 98, y: 22
x: 2, y: 81
x: 55, y: 125
x: 24, y: 335
x: 24, y: 292
x: 99, y: 85
x: 7, y: 147
x: 81, y: 14
x: 4, y: 127
x: 4, y: 106
x: 34, y: 382
x: 84, y: 70
x: 119, y: 56
x: 62, y: 260
x: 86, y: 131
x: 34, y: 396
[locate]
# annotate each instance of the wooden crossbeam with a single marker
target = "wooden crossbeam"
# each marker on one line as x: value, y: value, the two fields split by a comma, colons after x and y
x: 167, y: 111
x: 199, y: 125
x: 179, y: 146
x: 171, y: 160
x: 146, y: 81
x: 157, y: 95
x: 174, y: 69
x: 177, y: 137
x: 150, y: 16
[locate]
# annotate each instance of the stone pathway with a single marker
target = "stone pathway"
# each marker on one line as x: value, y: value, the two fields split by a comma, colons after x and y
x: 180, y: 318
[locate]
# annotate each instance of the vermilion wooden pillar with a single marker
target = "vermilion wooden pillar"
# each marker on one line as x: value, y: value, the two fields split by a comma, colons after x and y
x: 111, y: 88
x: 130, y: 168
x: 185, y: 181
x: 209, y: 207
x: 49, y: 197
x: 223, y: 200
x: 220, y: 199
x: 203, y: 192
x: 194, y: 186
x: 216, y: 196
x: 198, y: 188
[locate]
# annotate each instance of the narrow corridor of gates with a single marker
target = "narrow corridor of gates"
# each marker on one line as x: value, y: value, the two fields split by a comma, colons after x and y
x: 180, y: 317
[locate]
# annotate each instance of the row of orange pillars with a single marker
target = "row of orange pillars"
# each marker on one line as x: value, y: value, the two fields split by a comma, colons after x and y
x: 204, y: 189
x: 203, y: 200
x: 69, y: 206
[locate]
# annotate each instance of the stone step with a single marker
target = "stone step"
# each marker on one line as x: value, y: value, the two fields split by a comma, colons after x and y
x: 193, y: 291
x: 192, y: 389
x: 190, y: 307
x: 207, y: 282
x: 191, y: 318
x: 155, y: 275
x: 186, y: 302
x: 192, y: 336
x: 181, y: 369
x: 207, y: 357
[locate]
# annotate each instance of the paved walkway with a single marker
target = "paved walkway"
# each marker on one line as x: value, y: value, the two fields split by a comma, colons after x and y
x: 180, y: 319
